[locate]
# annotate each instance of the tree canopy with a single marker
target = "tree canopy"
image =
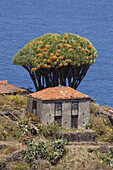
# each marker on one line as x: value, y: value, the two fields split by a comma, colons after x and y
x: 54, y: 59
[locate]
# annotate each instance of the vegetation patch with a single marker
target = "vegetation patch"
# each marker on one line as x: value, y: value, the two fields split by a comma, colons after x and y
x: 51, y: 131
x: 53, y: 152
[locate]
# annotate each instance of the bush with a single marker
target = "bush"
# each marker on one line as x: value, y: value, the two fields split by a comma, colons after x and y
x: 22, y: 166
x: 52, y: 151
x: 57, y: 151
x: 107, y: 158
x: 17, y: 99
x: 103, y: 132
x: 42, y: 150
x: 3, y: 130
x: 31, y: 152
x: 51, y: 131
x: 32, y: 118
x: 96, y: 108
x: 15, y: 130
x: 11, y: 102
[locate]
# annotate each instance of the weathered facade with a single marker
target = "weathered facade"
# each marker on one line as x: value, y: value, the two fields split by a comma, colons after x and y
x: 70, y: 108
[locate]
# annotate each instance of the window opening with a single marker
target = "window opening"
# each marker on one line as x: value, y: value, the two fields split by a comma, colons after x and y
x: 58, y: 106
x: 34, y: 108
x: 34, y: 104
x: 75, y: 106
x: 59, y: 120
x: 74, y: 121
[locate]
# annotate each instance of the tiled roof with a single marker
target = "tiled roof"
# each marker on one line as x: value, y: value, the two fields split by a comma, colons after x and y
x: 6, y: 88
x: 58, y: 93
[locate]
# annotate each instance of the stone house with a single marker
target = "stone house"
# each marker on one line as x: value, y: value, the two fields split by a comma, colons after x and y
x: 6, y: 88
x: 70, y: 108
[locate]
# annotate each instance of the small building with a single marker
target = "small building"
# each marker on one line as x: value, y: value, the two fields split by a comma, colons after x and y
x: 70, y: 108
x: 6, y: 88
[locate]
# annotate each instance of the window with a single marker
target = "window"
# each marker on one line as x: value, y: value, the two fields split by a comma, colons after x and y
x: 75, y: 106
x: 34, y: 104
x: 58, y: 119
x: 58, y: 113
x: 58, y: 109
x: 74, y: 121
x: 58, y: 106
x: 34, y: 107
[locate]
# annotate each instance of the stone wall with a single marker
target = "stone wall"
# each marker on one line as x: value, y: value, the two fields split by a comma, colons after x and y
x: 79, y: 136
x: 47, y: 114
x: 66, y: 115
x: 30, y: 105
x: 84, y: 113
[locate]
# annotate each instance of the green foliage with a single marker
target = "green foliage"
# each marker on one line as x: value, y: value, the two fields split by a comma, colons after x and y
x: 11, y: 102
x: 32, y: 151
x: 88, y: 125
x: 42, y: 150
x: 90, y: 150
x: 103, y: 132
x: 19, y: 129
x: 3, y: 129
x: 32, y: 118
x: 17, y: 99
x: 14, y: 130
x: 97, y: 109
x: 57, y: 150
x: 54, y: 50
x: 22, y: 166
x: 107, y: 158
x: 51, y: 131
x: 51, y: 151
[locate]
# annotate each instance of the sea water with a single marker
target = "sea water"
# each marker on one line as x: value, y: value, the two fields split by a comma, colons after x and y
x: 24, y: 20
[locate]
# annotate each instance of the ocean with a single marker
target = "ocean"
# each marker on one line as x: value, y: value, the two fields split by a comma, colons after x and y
x: 24, y: 20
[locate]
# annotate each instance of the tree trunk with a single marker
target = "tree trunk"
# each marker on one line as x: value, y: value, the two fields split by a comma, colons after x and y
x: 67, y: 76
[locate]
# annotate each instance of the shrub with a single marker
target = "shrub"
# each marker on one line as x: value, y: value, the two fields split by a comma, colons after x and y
x: 57, y: 151
x: 32, y: 118
x: 88, y: 125
x: 3, y: 130
x: 96, y: 108
x: 31, y: 152
x: 15, y: 130
x: 51, y: 131
x: 107, y: 158
x: 51, y: 151
x: 103, y: 132
x: 11, y: 102
x: 22, y: 166
x: 17, y: 99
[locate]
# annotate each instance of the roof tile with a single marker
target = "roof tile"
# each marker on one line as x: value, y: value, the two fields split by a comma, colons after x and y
x: 6, y: 88
x: 58, y: 93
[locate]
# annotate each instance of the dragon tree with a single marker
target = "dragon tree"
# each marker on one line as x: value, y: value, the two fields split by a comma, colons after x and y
x: 54, y: 59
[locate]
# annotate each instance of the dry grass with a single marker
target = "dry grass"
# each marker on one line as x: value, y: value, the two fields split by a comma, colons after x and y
x: 11, y: 102
x: 75, y: 159
x: 97, y: 109
x: 80, y: 159
x: 7, y: 151
x: 10, y: 147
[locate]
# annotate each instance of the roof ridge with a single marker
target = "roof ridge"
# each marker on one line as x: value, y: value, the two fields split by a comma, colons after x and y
x: 57, y: 93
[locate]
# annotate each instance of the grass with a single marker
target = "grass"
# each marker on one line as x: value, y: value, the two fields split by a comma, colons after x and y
x: 10, y: 147
x: 12, y: 102
x: 74, y: 159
